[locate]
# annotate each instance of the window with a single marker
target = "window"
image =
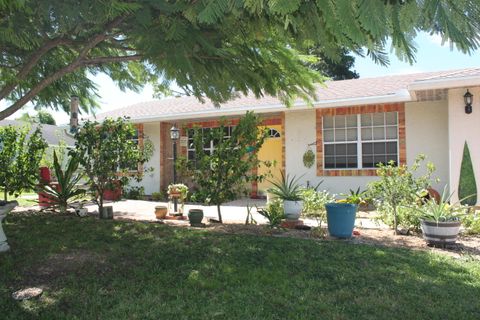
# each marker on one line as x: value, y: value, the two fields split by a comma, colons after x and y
x: 208, y: 145
x: 360, y: 141
x: 273, y: 133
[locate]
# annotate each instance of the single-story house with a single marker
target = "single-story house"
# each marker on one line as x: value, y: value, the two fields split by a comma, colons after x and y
x: 53, y: 135
x: 353, y: 125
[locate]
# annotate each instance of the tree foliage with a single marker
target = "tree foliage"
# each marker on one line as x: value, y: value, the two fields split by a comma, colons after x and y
x: 338, y: 67
x: 210, y: 48
x: 20, y: 155
x: 45, y: 117
x: 42, y: 117
x: 228, y: 170
x: 107, y: 154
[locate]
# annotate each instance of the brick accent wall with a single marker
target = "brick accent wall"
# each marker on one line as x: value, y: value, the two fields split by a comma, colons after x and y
x: 374, y: 108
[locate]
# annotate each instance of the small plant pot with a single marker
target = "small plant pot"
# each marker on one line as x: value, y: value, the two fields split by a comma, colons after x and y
x: 161, y: 212
x: 292, y: 209
x: 341, y: 219
x: 195, y: 216
x: 81, y: 212
x: 106, y: 213
x: 440, y: 233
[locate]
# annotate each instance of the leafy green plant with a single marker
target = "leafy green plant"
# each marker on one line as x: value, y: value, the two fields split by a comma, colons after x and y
x: 286, y: 188
x: 180, y: 188
x: 355, y: 197
x: 399, y: 186
x: 471, y: 222
x: 134, y: 193
x: 467, y: 186
x: 107, y: 152
x: 441, y: 211
x: 20, y: 154
x: 158, y: 196
x: 227, y: 171
x: 314, y: 204
x: 66, y: 189
x: 273, y: 213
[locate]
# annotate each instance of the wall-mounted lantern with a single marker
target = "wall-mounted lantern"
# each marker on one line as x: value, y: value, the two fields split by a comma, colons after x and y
x: 468, y: 99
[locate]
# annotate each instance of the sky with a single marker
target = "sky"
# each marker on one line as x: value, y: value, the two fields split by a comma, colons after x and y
x: 431, y: 56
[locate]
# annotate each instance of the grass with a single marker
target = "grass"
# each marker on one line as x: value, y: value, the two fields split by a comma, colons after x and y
x: 93, y: 269
x: 24, y: 199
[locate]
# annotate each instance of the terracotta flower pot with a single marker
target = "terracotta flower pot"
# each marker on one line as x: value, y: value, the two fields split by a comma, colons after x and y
x: 161, y: 212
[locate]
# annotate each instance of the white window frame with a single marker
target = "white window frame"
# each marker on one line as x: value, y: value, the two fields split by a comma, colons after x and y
x: 212, y: 146
x: 359, y: 140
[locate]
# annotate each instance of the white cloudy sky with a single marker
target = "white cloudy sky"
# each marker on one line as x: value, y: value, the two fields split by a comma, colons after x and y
x: 431, y: 56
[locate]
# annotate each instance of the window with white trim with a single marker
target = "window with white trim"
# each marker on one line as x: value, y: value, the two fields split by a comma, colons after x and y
x: 360, y: 141
x: 208, y: 145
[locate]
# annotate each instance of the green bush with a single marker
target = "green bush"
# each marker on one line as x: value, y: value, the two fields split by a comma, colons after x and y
x: 314, y: 204
x: 471, y: 222
x: 398, y: 190
x: 467, y: 186
x: 158, y: 196
x: 274, y: 213
x: 134, y: 193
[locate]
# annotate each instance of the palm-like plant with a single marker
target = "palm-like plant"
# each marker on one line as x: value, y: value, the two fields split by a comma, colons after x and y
x: 286, y: 188
x: 67, y: 189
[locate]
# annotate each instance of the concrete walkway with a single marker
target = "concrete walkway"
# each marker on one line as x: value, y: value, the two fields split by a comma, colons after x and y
x: 232, y: 212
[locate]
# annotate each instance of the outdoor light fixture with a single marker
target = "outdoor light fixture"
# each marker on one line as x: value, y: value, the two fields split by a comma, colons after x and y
x: 468, y: 98
x: 174, y: 135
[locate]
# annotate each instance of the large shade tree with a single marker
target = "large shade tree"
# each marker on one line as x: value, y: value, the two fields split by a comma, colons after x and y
x: 210, y: 48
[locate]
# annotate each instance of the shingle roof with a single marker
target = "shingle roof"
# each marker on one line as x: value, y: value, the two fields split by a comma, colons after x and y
x: 53, y: 135
x: 333, y: 90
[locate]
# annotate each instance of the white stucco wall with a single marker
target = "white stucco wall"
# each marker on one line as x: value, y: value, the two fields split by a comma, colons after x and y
x: 151, y: 180
x: 463, y: 128
x: 426, y: 130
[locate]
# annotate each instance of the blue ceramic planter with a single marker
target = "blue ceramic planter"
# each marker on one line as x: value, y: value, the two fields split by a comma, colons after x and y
x: 341, y: 219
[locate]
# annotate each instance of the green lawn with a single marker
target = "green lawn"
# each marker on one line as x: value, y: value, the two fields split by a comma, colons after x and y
x: 95, y: 269
x: 25, y: 199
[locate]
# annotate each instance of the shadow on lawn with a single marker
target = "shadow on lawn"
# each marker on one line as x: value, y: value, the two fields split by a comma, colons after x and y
x: 154, y: 271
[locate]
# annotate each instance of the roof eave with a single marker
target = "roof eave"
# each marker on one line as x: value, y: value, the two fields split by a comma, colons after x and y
x: 399, y: 96
x: 445, y: 83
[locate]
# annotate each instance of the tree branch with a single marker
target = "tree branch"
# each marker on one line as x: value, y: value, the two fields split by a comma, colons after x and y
x: 77, y: 63
x: 34, y: 58
x: 102, y: 60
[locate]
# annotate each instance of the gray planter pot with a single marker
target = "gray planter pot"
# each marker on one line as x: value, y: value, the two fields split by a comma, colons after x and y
x: 292, y: 209
x: 107, y: 213
x: 440, y: 233
x: 4, y: 210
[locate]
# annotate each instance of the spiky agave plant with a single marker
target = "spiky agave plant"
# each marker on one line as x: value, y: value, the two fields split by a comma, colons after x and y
x: 67, y: 187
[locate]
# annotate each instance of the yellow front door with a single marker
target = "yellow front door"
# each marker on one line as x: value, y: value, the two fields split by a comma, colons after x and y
x: 271, y: 151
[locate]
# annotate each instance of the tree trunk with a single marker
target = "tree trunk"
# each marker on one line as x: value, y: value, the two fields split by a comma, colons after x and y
x: 395, y: 228
x: 219, y: 214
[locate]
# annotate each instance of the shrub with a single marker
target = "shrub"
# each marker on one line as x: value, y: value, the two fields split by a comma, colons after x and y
x: 273, y: 213
x: 314, y: 204
x: 467, y: 186
x: 158, y: 196
x: 20, y: 155
x: 134, y: 193
x: 471, y: 222
x: 399, y: 186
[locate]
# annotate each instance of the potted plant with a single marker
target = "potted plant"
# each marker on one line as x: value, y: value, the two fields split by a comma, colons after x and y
x: 342, y: 213
x: 178, y: 191
x: 440, y: 220
x: 289, y: 191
